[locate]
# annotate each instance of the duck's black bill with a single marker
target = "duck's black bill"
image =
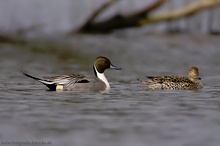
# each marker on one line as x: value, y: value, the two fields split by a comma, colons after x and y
x: 198, y: 77
x: 115, y: 67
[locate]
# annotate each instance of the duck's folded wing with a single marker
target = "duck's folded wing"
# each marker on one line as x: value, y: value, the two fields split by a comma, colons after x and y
x: 162, y: 79
x: 65, y: 79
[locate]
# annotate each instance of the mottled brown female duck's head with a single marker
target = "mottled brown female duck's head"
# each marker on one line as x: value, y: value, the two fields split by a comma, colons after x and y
x: 193, y: 74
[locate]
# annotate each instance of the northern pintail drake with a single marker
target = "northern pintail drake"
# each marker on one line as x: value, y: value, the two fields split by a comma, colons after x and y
x: 78, y: 81
x: 192, y: 82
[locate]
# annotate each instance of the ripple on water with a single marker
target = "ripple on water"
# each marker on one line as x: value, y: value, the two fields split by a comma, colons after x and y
x: 131, y: 114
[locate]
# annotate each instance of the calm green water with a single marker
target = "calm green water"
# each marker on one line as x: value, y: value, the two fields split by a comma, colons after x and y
x: 131, y: 114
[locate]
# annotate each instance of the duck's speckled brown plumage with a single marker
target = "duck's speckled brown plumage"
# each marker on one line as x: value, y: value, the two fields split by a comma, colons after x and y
x: 192, y: 82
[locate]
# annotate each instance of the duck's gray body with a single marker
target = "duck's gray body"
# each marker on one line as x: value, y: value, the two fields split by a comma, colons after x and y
x: 74, y: 82
x: 77, y: 81
x: 90, y: 84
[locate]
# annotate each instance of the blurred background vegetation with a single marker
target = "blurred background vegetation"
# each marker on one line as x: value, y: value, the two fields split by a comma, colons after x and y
x: 31, y: 17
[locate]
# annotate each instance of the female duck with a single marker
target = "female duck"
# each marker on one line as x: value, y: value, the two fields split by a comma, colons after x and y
x: 192, y: 82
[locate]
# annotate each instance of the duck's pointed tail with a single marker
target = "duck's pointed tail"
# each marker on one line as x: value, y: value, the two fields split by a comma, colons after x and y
x: 145, y: 82
x: 49, y: 84
x: 25, y: 74
x: 142, y: 81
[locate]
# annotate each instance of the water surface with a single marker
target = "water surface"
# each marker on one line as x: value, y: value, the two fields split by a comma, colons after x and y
x: 131, y: 114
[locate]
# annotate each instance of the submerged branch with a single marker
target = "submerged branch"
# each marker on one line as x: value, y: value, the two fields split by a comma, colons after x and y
x: 183, y: 12
x: 141, y: 17
x: 117, y: 21
x: 95, y: 14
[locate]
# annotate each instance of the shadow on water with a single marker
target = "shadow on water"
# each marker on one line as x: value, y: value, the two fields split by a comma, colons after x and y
x: 130, y: 114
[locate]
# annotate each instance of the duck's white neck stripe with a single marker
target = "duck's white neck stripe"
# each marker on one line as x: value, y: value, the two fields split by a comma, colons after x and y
x: 102, y: 77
